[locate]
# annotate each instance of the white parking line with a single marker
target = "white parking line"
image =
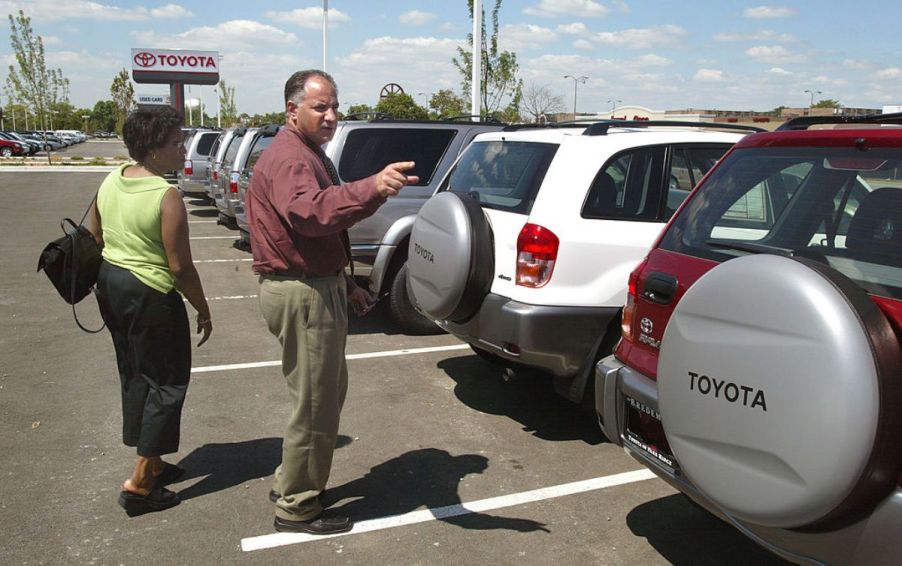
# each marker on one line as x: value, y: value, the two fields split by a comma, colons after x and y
x: 223, y: 260
x: 414, y: 517
x: 213, y: 237
x: 385, y: 354
x: 230, y: 297
x: 202, y: 221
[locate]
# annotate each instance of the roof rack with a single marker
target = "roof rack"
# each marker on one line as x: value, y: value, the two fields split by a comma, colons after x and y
x: 601, y: 128
x: 483, y: 118
x: 804, y: 122
x: 546, y: 126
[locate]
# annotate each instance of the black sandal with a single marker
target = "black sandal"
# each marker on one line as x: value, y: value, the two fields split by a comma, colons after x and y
x: 158, y: 499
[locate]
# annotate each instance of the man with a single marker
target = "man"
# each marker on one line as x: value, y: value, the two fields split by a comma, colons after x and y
x: 299, y: 215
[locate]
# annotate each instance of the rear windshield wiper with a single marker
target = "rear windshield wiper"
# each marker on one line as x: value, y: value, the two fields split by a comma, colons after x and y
x: 750, y: 247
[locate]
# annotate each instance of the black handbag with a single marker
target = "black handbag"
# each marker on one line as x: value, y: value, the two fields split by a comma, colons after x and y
x: 71, y: 262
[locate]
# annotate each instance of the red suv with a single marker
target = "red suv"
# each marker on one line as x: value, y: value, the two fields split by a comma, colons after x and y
x: 759, y: 370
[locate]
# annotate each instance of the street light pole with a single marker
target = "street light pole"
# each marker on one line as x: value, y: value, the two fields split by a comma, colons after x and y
x: 85, y: 118
x: 576, y: 81
x: 613, y: 103
x: 812, y: 93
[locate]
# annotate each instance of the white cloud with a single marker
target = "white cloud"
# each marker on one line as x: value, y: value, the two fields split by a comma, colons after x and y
x: 763, y: 35
x: 170, y: 11
x: 520, y: 37
x: 583, y: 44
x: 652, y: 60
x: 773, y: 54
x: 52, y: 10
x: 51, y: 40
x: 889, y: 73
x: 767, y: 12
x: 779, y: 71
x: 415, y: 17
x: 231, y: 35
x: 310, y: 18
x: 642, y: 38
x: 856, y: 64
x: 574, y: 28
x: 709, y: 75
x: 557, y: 8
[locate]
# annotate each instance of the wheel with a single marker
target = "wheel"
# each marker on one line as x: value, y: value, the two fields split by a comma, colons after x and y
x: 403, y: 311
x: 781, y: 399
x: 6, y: 152
x: 451, y: 258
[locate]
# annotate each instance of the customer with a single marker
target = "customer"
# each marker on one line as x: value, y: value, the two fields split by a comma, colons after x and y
x: 298, y: 215
x: 142, y: 225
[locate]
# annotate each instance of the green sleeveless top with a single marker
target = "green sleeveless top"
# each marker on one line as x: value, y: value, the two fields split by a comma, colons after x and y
x: 132, y: 235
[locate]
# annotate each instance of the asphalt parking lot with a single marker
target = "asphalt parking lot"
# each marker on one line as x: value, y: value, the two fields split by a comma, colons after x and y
x: 440, y: 461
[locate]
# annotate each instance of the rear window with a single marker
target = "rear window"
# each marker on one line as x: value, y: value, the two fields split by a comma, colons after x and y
x: 206, y: 143
x: 261, y: 144
x: 839, y: 206
x: 232, y: 150
x: 502, y: 175
x: 368, y: 150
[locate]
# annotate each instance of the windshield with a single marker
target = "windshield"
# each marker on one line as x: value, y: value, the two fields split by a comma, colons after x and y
x: 840, y: 206
x: 500, y: 174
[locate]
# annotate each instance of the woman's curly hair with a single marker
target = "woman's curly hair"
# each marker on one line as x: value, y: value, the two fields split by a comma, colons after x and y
x: 146, y: 130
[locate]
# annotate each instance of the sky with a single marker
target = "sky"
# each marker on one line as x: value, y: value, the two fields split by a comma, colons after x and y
x: 660, y: 55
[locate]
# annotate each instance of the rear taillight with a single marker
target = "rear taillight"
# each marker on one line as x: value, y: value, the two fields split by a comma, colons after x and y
x: 632, y: 296
x: 215, y: 174
x: 233, y: 183
x: 189, y: 167
x: 536, y: 254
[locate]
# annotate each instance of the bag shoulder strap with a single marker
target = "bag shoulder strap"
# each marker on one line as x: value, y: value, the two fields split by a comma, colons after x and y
x: 72, y: 236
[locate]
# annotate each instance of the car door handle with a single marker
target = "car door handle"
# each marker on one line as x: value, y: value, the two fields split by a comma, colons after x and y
x: 660, y: 288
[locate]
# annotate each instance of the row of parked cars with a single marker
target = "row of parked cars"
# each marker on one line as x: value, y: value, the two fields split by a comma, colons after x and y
x: 25, y: 143
x: 727, y: 301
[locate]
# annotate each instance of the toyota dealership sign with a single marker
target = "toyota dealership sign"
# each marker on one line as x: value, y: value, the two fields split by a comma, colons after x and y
x: 175, y: 65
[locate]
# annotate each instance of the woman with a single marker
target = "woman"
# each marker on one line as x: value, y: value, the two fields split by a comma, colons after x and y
x: 142, y: 225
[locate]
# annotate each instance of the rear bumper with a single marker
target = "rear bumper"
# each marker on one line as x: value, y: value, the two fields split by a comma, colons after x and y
x: 557, y: 339
x: 193, y: 186
x: 873, y: 540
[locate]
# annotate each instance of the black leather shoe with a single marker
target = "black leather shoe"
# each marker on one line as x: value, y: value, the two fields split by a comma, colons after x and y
x: 322, y: 524
x: 171, y: 474
x: 158, y: 499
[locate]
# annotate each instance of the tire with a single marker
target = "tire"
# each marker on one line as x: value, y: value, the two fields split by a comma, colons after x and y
x: 451, y: 257
x: 6, y: 152
x: 781, y: 399
x: 403, y: 311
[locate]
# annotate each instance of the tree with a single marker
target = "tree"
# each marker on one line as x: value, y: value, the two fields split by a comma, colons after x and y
x: 827, y: 103
x: 499, y: 82
x: 358, y: 109
x: 447, y: 104
x: 538, y: 100
x: 104, y: 116
x: 228, y: 113
x: 123, y: 92
x: 402, y: 105
x: 33, y: 83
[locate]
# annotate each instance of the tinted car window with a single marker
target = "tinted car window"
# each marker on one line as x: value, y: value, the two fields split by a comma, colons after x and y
x: 629, y: 186
x: 206, y: 143
x: 501, y: 175
x: 232, y: 150
x: 368, y: 150
x: 262, y: 143
x: 835, y: 205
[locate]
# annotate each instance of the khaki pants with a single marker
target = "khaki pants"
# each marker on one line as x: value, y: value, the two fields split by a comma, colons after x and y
x: 309, y: 317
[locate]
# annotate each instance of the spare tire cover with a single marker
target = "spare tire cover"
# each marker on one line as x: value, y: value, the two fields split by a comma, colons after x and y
x: 779, y: 394
x: 450, y: 260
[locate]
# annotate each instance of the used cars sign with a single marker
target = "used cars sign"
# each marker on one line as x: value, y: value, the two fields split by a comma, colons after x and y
x: 175, y: 65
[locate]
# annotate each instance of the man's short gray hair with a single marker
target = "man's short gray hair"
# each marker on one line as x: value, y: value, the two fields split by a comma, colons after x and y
x: 294, y: 86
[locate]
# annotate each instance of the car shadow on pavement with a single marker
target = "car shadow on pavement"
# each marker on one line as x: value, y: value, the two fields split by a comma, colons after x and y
x: 686, y: 534
x: 529, y: 399
x: 428, y: 478
x: 229, y: 464
x: 204, y: 212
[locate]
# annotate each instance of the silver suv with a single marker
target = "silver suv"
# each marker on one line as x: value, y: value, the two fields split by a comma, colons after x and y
x: 379, y: 243
x: 193, y: 177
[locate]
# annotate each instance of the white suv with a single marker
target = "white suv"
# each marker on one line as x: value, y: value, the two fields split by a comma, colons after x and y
x: 525, y: 250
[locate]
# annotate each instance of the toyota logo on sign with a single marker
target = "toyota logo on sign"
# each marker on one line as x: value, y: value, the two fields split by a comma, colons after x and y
x: 145, y: 59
